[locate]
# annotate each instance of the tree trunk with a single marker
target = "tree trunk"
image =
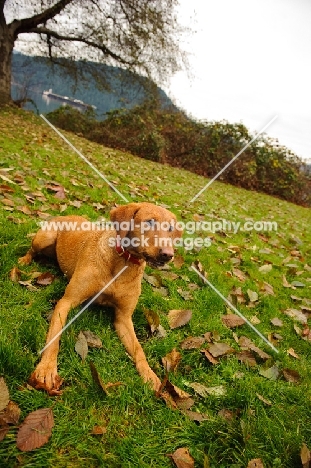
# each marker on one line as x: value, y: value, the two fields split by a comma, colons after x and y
x: 6, y: 48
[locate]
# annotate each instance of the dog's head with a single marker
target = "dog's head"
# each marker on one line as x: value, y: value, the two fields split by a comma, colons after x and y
x: 147, y: 231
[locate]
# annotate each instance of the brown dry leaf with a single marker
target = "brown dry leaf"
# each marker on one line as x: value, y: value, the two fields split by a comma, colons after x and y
x: 232, y: 320
x: 185, y: 294
x: 248, y: 344
x: 178, y: 318
x: 36, y: 430
x: 45, y: 279
x: 195, y: 416
x: 182, y: 458
x: 99, y: 430
x: 264, y: 400
x: 293, y: 353
x: 153, y: 319
x: 173, y: 396
x: 305, y: 456
x: 255, y: 463
x: 11, y: 414
x: 291, y: 375
x: 277, y: 322
x: 178, y: 261
x: 209, y: 356
x: 4, y: 394
x: 239, y: 274
x: 97, y: 378
x: 93, y: 341
x: 220, y: 349
x: 81, y: 346
x: 285, y: 282
x: 267, y: 289
x: 15, y: 274
x: 24, y: 209
x: 171, y: 361
x: 226, y: 414
x: 247, y: 357
x: 192, y: 342
x: 28, y: 285
x: 154, y: 280
x: 297, y: 315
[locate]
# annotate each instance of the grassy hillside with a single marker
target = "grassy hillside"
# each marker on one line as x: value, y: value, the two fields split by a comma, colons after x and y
x: 256, y: 409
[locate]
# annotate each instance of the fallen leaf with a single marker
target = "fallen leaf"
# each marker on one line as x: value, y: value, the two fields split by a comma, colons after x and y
x: 97, y: 378
x: 195, y: 416
x: 99, y: 430
x: 267, y: 289
x: 28, y: 285
x: 36, y: 430
x: 45, y: 279
x: 153, y: 319
x: 192, y: 342
x: 204, y: 391
x: 293, y: 353
x: 264, y: 400
x: 296, y: 315
x: 11, y: 414
x: 185, y: 294
x: 305, y: 456
x: 247, y: 343
x: 220, y: 349
x: 153, y: 280
x: 239, y: 274
x: 246, y: 357
x: 255, y: 463
x: 174, y: 396
x: 277, y: 322
x: 4, y: 394
x: 265, y: 268
x: 93, y: 341
x: 81, y: 346
x: 178, y: 261
x: 298, y: 284
x: 291, y: 375
x: 178, y: 318
x: 182, y: 458
x: 232, y: 320
x: 285, y: 282
x: 209, y: 356
x: 226, y: 414
x: 272, y: 373
x: 253, y: 296
x: 15, y: 274
x: 171, y: 360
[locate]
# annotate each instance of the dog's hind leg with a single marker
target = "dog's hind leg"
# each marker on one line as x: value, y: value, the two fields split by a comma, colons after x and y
x: 44, y: 243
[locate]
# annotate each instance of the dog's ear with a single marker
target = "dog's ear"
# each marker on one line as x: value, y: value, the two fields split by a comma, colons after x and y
x: 122, y: 215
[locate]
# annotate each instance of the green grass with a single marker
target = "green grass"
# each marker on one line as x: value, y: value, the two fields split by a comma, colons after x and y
x: 141, y: 430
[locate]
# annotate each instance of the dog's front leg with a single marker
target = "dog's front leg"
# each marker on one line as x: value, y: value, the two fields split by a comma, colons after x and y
x: 45, y: 375
x: 125, y: 329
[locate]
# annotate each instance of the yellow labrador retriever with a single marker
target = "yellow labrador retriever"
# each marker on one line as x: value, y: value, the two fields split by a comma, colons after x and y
x: 91, y: 259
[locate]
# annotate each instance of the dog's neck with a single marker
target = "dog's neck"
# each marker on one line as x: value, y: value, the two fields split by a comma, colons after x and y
x: 127, y: 255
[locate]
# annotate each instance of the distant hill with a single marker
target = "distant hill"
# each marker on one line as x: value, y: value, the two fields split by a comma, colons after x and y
x: 33, y: 75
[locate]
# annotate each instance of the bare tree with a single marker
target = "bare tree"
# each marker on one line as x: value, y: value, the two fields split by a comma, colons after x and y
x: 138, y: 35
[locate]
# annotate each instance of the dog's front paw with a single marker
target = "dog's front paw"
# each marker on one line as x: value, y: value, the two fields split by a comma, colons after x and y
x: 152, y: 379
x: 45, y: 377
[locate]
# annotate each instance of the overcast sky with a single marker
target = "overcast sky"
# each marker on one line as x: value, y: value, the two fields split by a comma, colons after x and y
x: 249, y: 60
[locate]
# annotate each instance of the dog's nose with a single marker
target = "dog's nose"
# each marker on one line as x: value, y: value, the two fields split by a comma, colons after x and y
x: 167, y: 254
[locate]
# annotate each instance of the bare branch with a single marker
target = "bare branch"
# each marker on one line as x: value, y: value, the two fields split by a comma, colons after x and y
x: 49, y: 33
x: 24, y: 25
